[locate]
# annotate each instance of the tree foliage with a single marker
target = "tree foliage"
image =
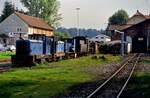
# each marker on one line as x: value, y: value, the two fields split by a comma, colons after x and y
x: 62, y: 34
x: 45, y: 9
x: 8, y: 10
x: 120, y: 17
x: 110, y: 48
x: 83, y: 32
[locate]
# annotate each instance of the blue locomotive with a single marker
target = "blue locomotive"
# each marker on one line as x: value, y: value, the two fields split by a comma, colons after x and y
x: 29, y: 52
x: 32, y: 51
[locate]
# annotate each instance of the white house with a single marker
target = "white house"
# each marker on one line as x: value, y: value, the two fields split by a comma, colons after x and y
x: 101, y: 38
x: 18, y: 24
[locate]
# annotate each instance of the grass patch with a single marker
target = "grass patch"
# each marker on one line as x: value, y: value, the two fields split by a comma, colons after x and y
x: 139, y: 86
x: 48, y: 80
x: 146, y: 61
x: 5, y: 55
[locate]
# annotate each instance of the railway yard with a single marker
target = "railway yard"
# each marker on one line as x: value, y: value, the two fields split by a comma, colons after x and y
x: 45, y: 54
x: 84, y: 77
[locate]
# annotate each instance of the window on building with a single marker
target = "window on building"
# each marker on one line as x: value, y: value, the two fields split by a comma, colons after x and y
x: 102, y: 37
x: 140, y: 39
x: 18, y: 29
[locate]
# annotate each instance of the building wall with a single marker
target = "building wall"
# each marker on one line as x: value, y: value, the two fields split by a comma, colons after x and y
x: 132, y: 31
x: 140, y: 35
x: 37, y: 31
x: 140, y: 29
x: 12, y: 26
x: 101, y: 38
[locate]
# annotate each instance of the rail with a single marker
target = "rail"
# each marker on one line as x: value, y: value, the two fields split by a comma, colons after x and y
x: 112, y: 76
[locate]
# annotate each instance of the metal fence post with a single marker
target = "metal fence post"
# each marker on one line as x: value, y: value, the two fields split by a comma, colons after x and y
x: 122, y: 44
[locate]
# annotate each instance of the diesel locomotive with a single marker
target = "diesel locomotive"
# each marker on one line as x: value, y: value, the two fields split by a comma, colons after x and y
x: 31, y: 51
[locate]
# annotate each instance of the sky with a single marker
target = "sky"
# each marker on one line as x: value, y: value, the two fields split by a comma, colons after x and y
x: 94, y: 13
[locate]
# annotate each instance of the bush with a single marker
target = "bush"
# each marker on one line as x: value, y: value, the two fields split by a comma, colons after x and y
x: 104, y: 49
x: 102, y: 57
x: 113, y: 49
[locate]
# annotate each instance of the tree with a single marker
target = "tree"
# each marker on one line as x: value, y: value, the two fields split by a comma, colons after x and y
x: 62, y: 34
x: 20, y: 11
x: 119, y: 18
x: 45, y: 9
x: 83, y: 32
x: 8, y: 10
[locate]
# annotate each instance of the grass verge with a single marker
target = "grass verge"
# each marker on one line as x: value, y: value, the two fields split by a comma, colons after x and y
x: 48, y: 80
x: 5, y: 55
x: 139, y: 85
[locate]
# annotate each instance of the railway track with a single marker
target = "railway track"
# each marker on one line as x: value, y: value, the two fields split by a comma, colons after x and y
x: 115, y: 84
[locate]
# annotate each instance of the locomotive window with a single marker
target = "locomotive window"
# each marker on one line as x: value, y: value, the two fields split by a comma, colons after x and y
x: 81, y: 41
x: 140, y: 39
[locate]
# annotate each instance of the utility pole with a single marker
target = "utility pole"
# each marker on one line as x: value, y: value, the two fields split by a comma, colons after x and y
x: 122, y: 42
x: 148, y: 40
x: 78, y: 32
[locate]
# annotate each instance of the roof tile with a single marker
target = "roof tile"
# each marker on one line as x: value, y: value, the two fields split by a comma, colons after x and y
x: 34, y: 22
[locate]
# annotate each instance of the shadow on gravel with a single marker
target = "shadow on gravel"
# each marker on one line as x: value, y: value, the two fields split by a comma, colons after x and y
x: 85, y: 89
x: 138, y: 87
x: 80, y: 91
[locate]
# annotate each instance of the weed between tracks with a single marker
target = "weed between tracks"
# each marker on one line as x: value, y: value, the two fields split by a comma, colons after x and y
x: 48, y: 80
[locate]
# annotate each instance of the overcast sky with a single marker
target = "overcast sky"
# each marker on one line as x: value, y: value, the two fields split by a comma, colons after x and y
x: 95, y: 13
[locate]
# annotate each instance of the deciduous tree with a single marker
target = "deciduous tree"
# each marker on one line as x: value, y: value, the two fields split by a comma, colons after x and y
x: 62, y: 34
x: 45, y: 9
x: 120, y: 17
x: 8, y: 10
